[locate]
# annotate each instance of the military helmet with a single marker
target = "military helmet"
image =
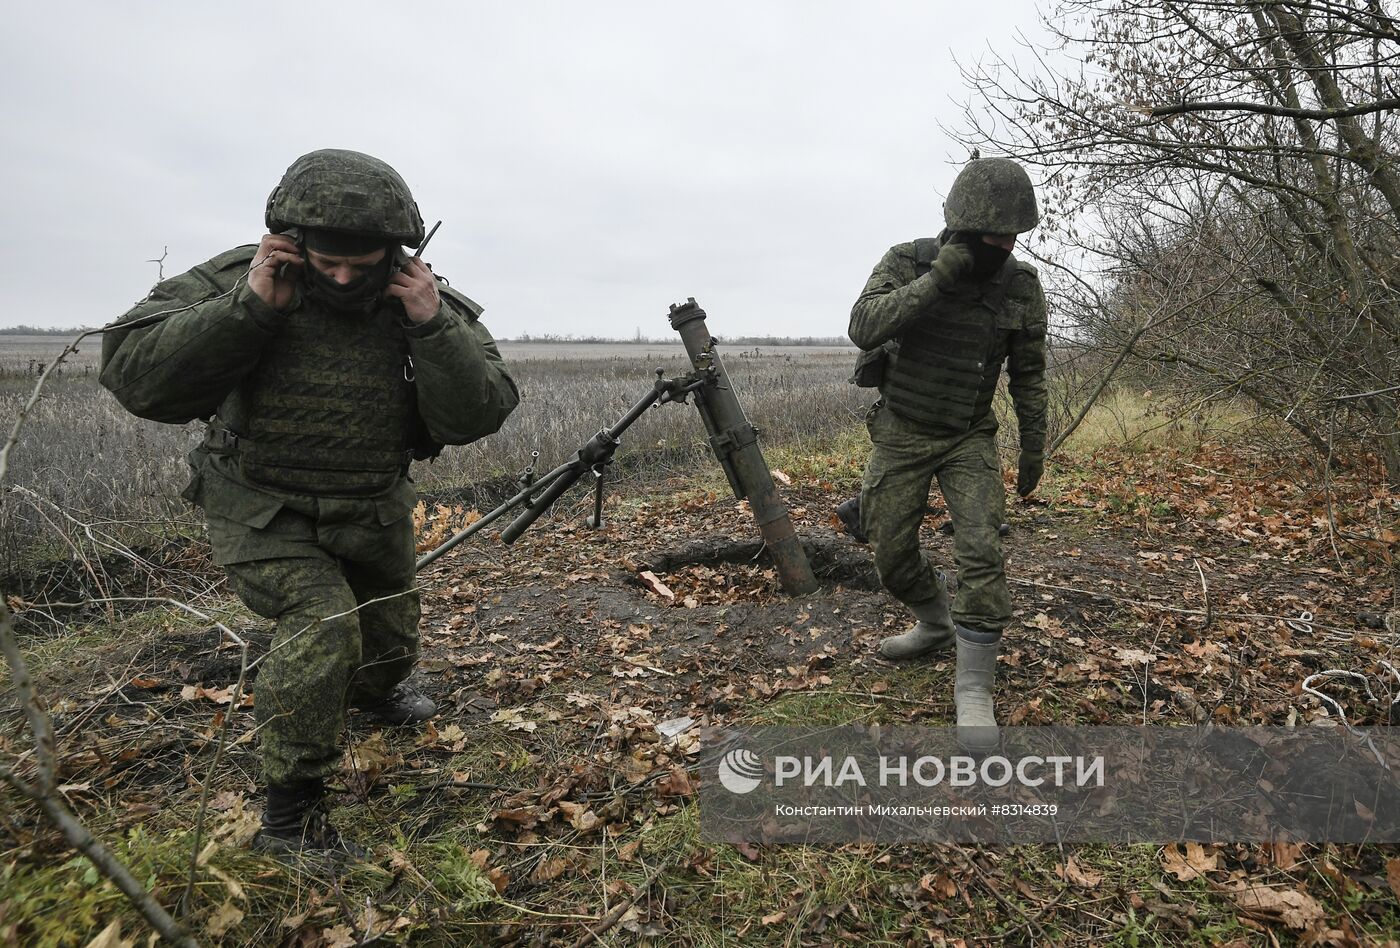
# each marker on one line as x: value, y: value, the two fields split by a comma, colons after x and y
x: 345, y: 191
x: 991, y: 196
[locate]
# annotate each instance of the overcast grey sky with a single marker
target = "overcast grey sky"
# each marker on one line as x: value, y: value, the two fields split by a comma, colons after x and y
x: 592, y: 162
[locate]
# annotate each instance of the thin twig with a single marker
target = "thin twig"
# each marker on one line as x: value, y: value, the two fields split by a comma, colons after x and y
x: 39, y: 725
x: 619, y: 910
x: 222, y: 743
x: 1379, y: 391
x: 101, y: 857
x: 1205, y: 596
x: 52, y: 803
x: 33, y: 399
x: 1327, y: 489
x: 996, y: 892
x: 1162, y: 607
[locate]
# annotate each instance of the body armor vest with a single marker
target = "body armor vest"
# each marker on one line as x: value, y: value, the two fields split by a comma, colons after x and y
x: 330, y: 408
x: 949, y: 362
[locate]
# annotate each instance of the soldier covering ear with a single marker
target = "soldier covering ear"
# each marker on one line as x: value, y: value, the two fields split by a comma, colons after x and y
x: 317, y: 394
x: 956, y: 322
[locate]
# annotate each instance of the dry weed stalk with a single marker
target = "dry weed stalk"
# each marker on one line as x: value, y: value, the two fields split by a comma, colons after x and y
x: 42, y: 788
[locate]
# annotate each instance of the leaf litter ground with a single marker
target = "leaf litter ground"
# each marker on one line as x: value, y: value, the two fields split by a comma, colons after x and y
x: 577, y: 670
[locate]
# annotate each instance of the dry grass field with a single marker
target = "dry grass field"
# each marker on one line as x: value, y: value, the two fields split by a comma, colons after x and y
x: 83, y: 453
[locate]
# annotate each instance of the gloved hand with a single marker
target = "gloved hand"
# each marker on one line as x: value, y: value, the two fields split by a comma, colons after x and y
x: 1029, y: 472
x: 954, y: 261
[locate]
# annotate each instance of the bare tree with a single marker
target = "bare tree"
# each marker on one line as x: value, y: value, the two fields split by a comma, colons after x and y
x: 1224, y: 173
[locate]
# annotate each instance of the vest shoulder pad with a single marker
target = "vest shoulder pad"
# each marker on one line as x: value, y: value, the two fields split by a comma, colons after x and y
x: 238, y: 258
x: 925, y: 251
x: 921, y: 249
x: 213, y: 276
x: 904, y: 251
x: 1025, y: 281
x: 912, y: 259
x: 460, y: 302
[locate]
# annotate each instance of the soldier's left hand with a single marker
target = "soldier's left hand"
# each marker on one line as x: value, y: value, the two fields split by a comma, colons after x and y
x: 1029, y: 472
x: 415, y: 287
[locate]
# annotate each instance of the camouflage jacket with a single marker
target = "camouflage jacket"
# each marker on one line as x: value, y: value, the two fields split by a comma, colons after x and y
x: 210, y: 337
x: 943, y: 375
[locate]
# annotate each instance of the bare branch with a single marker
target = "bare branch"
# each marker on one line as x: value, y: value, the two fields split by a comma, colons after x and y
x: 1262, y: 108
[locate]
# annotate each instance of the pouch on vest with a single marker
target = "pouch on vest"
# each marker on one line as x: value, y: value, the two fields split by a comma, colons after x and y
x: 872, y: 364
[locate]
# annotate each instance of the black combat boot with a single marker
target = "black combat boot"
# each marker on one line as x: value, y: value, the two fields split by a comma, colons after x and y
x: 294, y: 823
x: 849, y: 515
x: 405, y: 705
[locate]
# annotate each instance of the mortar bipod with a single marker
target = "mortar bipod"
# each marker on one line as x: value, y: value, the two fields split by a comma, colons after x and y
x: 536, y: 495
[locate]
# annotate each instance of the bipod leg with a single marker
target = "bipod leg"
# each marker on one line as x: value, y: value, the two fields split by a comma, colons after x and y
x: 547, y: 480
x: 527, y: 477
x: 596, y: 521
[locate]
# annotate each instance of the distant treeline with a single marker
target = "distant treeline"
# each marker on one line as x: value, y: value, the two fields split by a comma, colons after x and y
x: 41, y: 331
x: 675, y: 340
x: 541, y: 337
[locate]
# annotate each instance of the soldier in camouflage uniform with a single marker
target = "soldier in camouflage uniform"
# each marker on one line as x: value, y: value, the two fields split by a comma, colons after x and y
x: 324, y: 360
x: 957, y: 307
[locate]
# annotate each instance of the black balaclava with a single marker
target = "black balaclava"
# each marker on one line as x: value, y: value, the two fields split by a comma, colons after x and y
x: 362, y: 294
x: 987, y: 259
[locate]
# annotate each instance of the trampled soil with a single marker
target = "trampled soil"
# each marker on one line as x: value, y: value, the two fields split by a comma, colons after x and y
x: 572, y: 598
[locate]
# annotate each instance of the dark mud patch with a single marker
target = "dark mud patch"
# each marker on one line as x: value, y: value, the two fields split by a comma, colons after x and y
x: 836, y: 561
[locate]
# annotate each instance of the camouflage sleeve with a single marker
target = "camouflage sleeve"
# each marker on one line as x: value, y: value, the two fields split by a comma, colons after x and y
x: 1026, y: 359
x: 206, y: 332
x: 464, y: 390
x: 893, y: 298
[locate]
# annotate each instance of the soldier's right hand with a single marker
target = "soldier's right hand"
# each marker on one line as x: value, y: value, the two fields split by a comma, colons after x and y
x: 954, y: 261
x: 276, y: 253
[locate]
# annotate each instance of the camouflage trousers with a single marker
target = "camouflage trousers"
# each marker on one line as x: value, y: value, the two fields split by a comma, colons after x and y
x: 894, y: 495
x: 347, y: 633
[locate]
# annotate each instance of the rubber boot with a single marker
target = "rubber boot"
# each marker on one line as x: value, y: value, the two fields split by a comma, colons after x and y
x: 294, y: 823
x: 932, y: 633
x: 972, y: 693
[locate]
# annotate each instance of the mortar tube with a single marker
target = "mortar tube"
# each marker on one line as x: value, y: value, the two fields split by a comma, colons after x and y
x: 726, y: 416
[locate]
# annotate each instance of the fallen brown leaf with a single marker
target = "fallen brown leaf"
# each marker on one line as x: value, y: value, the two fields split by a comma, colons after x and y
x: 1284, y: 855
x: 227, y: 916
x: 1195, y: 862
x: 579, y: 815
x: 339, y: 936
x: 675, y: 784
x: 111, y: 937
x: 656, y: 585
x: 549, y: 870
x: 1075, y: 874
x: 939, y: 886
x: 1292, y: 907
